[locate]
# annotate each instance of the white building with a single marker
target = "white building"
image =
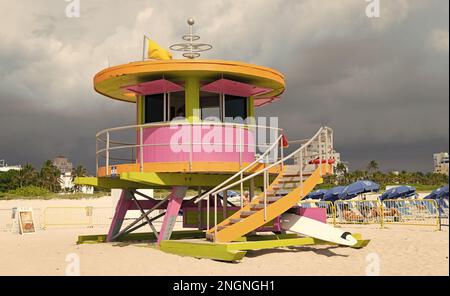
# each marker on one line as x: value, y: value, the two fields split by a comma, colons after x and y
x: 4, y: 167
x: 315, y: 146
x: 441, y: 161
x: 66, y: 179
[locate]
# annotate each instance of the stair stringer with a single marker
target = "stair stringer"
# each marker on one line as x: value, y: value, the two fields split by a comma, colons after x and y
x: 256, y: 220
x: 247, y: 207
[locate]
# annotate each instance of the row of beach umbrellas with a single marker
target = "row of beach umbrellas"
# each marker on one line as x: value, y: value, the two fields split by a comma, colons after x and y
x: 361, y: 187
x: 344, y: 192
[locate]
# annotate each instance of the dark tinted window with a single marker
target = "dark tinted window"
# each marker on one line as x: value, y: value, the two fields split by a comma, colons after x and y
x: 177, y: 105
x: 235, y: 107
x: 210, y: 106
x: 154, y: 108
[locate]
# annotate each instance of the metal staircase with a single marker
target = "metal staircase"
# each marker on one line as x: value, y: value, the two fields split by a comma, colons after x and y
x: 300, y: 172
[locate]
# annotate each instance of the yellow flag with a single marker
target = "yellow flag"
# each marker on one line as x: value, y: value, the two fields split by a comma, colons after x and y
x: 155, y: 51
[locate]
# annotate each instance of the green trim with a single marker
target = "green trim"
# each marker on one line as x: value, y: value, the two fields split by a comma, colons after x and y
x: 140, y: 109
x: 192, y: 91
x: 140, y: 236
x: 202, y: 250
x: 108, y: 183
x: 138, y: 180
x: 179, y: 179
x: 233, y: 251
x: 251, y: 107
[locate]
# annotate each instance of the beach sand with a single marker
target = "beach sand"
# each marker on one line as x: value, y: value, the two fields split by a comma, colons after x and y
x: 401, y: 250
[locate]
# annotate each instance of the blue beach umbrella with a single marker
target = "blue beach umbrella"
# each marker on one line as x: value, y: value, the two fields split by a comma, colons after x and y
x: 358, y: 188
x: 398, y: 192
x: 318, y: 194
x: 333, y: 193
x: 439, y: 193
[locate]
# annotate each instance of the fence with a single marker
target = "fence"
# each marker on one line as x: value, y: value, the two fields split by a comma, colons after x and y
x: 9, y: 222
x: 443, y: 211
x: 400, y: 212
x: 411, y: 212
x: 89, y: 216
x: 358, y: 212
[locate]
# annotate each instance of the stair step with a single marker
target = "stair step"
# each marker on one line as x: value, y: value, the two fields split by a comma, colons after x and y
x: 277, y: 192
x: 219, y: 228
x: 235, y: 220
x: 290, y: 179
x: 295, y: 174
x: 247, y: 213
x: 270, y: 199
x: 210, y: 236
x: 257, y: 206
x: 285, y: 186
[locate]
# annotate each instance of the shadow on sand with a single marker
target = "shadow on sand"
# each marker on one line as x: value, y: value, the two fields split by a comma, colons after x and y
x: 328, y: 251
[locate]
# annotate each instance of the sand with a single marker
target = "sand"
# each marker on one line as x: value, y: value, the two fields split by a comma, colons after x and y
x: 401, y: 250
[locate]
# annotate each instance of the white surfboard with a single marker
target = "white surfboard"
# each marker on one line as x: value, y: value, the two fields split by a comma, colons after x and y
x: 316, y: 229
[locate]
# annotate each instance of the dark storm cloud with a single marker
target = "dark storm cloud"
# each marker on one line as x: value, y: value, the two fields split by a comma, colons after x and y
x: 382, y: 84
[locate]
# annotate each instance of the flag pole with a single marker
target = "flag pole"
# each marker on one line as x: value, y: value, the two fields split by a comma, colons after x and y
x: 143, y: 48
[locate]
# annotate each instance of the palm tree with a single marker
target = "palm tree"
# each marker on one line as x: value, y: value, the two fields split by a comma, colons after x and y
x: 50, y: 177
x: 341, y: 172
x: 78, y: 171
x: 372, y: 166
x: 26, y: 176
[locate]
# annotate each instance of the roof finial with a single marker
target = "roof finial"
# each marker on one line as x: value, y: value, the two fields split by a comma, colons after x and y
x: 192, y: 50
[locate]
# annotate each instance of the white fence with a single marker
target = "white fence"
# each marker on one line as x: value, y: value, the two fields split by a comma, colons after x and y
x: 401, y: 212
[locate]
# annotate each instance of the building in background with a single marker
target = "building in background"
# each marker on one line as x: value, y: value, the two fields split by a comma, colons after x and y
x: 63, y: 164
x: 315, y: 146
x: 66, y: 178
x: 4, y: 167
x: 441, y: 163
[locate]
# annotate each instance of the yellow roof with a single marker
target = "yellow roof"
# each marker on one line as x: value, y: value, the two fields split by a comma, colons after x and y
x: 111, y: 81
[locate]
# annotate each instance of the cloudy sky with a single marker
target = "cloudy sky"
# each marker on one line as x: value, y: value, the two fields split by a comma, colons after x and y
x: 381, y: 83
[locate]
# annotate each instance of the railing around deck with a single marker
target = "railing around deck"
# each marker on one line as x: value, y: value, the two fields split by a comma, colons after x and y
x: 127, y: 144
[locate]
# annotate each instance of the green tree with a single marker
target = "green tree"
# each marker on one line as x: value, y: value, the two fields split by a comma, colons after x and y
x: 78, y: 171
x: 6, y: 180
x: 372, y: 167
x: 50, y: 177
x: 25, y: 177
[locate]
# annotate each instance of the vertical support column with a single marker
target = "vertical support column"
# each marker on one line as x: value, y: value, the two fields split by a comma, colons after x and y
x: 224, y: 204
x: 251, y: 190
x: 301, y: 172
x: 107, y: 153
x: 141, y: 149
x: 173, y: 207
x: 192, y: 103
x: 199, y: 210
x: 122, y: 207
x: 251, y: 108
x: 192, y: 100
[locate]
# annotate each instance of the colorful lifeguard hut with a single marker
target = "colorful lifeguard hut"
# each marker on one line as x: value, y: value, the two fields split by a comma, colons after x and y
x: 196, y: 131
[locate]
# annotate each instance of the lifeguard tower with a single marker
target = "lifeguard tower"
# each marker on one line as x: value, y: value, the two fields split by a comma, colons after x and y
x: 196, y: 130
